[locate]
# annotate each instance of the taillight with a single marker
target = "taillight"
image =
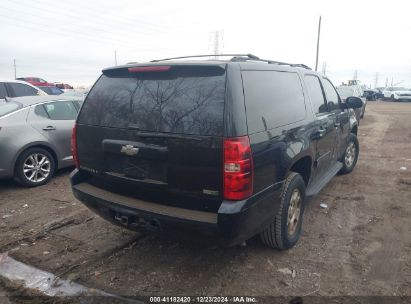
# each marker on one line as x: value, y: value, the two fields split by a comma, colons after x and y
x: 154, y: 68
x: 238, y: 168
x: 74, y: 147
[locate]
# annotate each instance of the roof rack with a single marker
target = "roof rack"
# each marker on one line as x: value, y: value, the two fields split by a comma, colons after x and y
x: 251, y: 56
x: 237, y: 58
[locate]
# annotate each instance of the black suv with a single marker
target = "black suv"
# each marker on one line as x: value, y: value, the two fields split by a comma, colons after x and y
x: 225, y: 148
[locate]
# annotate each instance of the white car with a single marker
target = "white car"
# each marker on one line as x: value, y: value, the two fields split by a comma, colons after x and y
x: 353, y: 90
x: 18, y: 88
x: 397, y: 93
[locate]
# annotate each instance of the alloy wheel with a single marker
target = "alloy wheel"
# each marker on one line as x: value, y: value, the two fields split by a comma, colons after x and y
x: 36, y: 167
x: 350, y: 154
x: 294, y: 212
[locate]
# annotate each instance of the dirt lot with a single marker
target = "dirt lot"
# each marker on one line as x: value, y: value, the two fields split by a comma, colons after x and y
x: 359, y: 245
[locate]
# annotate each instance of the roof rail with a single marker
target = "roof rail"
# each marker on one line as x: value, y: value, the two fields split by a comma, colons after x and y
x: 271, y: 62
x: 239, y: 57
x: 250, y: 56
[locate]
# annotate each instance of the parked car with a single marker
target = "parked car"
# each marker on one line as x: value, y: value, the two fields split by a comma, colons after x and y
x: 372, y: 94
x: 379, y: 94
x: 63, y: 86
x: 228, y: 148
x: 347, y: 91
x: 35, y: 137
x: 17, y: 88
x: 36, y: 81
x: 78, y: 93
x: 397, y: 93
x: 52, y: 90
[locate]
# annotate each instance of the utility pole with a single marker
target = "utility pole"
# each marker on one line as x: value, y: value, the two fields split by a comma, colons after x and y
x: 115, y: 57
x: 386, y: 82
x: 355, y: 76
x: 376, y: 80
x: 324, y: 69
x: 15, y: 70
x: 318, y: 43
x: 216, y: 40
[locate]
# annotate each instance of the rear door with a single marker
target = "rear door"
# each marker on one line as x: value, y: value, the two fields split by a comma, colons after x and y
x: 55, y: 120
x: 158, y: 130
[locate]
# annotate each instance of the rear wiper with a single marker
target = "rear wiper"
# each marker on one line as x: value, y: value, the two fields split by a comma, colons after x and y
x: 133, y: 126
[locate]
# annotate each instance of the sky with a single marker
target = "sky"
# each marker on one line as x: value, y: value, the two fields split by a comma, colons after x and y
x: 73, y: 40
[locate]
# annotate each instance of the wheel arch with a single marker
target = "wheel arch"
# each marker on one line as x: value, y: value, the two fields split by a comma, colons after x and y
x: 303, y: 166
x: 42, y: 145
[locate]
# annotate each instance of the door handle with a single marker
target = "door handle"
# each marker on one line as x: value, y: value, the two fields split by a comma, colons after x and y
x: 49, y: 128
x: 319, y: 133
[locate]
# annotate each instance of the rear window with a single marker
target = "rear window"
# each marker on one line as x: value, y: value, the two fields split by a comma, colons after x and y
x: 8, y: 107
x: 52, y: 90
x: 273, y: 99
x: 185, y: 100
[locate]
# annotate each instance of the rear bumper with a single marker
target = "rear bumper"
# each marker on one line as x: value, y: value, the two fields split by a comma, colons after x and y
x: 234, y: 222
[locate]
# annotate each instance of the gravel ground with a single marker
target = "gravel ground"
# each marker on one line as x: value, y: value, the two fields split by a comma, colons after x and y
x: 360, y: 245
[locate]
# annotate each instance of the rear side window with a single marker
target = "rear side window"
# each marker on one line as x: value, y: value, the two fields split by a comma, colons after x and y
x: 21, y: 89
x: 61, y: 110
x: 183, y: 100
x: 3, y: 91
x: 8, y: 107
x: 315, y: 93
x: 272, y: 99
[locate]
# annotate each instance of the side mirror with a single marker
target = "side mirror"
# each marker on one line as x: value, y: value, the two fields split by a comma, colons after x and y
x: 352, y: 103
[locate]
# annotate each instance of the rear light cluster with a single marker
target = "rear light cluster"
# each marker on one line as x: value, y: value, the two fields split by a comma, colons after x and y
x: 74, y: 147
x: 238, y: 168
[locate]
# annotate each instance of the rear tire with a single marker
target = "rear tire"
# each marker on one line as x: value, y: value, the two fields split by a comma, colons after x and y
x: 350, y: 156
x: 34, y: 167
x: 285, y: 229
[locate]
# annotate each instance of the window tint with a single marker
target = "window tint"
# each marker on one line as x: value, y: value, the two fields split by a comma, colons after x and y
x: 40, y: 111
x: 3, y: 92
x: 272, y: 99
x: 9, y: 107
x: 21, y: 89
x: 315, y: 93
x: 61, y: 110
x: 52, y: 90
x: 186, y: 100
x: 331, y: 94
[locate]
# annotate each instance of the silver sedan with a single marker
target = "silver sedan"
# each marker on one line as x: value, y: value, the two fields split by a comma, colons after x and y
x: 35, y: 135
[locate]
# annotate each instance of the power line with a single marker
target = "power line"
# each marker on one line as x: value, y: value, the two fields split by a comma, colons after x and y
x: 67, y: 13
x: 46, y: 28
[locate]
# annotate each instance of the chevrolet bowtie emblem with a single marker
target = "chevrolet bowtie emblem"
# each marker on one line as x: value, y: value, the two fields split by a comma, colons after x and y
x: 129, y: 150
